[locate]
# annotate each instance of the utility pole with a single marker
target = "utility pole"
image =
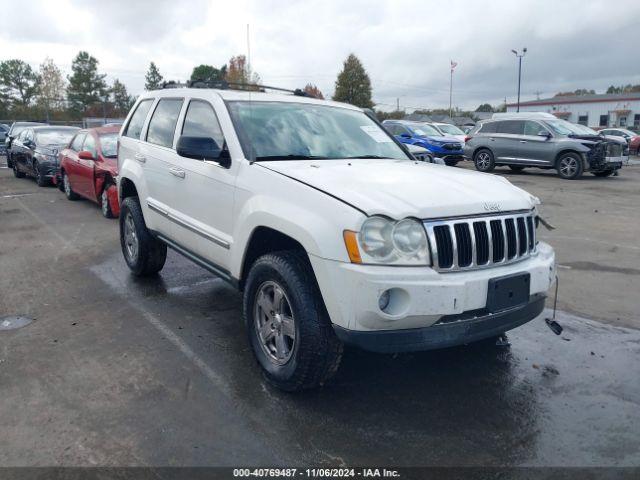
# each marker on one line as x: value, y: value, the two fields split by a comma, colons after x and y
x: 519, y: 56
x: 397, y: 104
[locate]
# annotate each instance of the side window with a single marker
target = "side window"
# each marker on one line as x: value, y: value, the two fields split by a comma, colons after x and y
x: 488, y: 127
x: 201, y: 121
x: 76, y: 145
x: 392, y: 129
x: 90, y: 145
x: 162, y: 125
x: 511, y: 127
x: 402, y: 130
x: 134, y: 128
x: 533, y: 128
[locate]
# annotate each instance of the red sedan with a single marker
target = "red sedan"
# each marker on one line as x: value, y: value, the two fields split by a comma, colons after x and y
x: 88, y: 168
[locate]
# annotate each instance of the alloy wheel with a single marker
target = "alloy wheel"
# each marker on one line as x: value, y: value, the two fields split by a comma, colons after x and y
x: 483, y: 160
x: 274, y: 322
x: 130, y: 238
x: 568, y: 166
x: 104, y: 198
x: 67, y: 184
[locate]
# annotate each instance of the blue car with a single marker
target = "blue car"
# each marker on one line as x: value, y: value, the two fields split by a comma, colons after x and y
x: 449, y: 149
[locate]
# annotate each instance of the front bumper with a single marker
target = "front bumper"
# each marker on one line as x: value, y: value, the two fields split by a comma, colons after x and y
x: 458, y: 330
x: 351, y: 292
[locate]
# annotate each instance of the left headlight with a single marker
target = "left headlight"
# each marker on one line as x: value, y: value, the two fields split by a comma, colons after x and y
x: 387, y: 242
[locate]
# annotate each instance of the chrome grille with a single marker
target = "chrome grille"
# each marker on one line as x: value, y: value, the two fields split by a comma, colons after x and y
x: 482, y: 241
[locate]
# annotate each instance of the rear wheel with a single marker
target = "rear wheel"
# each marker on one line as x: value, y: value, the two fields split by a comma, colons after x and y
x: 16, y: 171
x: 484, y: 160
x: 570, y: 166
x: 66, y: 184
x: 604, y: 173
x: 287, y: 323
x: 516, y: 168
x: 145, y: 255
x: 451, y: 163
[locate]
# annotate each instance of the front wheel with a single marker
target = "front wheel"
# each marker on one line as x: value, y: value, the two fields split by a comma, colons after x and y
x: 41, y: 180
x: 570, y: 166
x: 450, y: 163
x: 145, y: 255
x: 287, y: 323
x: 105, y: 205
x: 16, y: 171
x: 484, y: 161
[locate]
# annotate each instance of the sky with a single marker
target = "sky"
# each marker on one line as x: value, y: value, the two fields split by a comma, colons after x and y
x: 405, y: 45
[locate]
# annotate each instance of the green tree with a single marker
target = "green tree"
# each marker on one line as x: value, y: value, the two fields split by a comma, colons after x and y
x: 485, y: 107
x: 353, y: 84
x: 86, y: 85
x: 153, y: 79
x: 121, y: 98
x: 18, y: 83
x: 208, y: 73
x: 51, y: 90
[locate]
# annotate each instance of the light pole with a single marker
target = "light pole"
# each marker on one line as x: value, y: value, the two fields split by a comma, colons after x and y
x: 519, y: 55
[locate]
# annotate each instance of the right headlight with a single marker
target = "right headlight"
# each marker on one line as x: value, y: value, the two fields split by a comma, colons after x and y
x: 387, y: 242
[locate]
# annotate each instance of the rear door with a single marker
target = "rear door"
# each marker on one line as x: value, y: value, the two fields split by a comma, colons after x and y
x: 204, y: 213
x: 508, y: 137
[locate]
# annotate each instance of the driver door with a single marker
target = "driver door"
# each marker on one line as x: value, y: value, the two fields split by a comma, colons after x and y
x: 86, y: 169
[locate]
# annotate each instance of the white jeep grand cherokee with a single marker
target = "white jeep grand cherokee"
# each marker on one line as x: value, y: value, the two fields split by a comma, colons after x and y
x: 332, y: 231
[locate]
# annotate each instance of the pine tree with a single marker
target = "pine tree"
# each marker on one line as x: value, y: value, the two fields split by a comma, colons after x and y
x: 152, y: 79
x: 18, y: 83
x: 86, y: 85
x: 353, y: 84
x: 121, y: 98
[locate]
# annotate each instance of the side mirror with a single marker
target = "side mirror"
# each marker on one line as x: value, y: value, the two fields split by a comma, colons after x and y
x: 198, y: 148
x: 85, y: 155
x: 544, y: 134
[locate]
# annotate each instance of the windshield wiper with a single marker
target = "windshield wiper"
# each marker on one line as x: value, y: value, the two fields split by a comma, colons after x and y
x: 267, y: 158
x: 366, y: 156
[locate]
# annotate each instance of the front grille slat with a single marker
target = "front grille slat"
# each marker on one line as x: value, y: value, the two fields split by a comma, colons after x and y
x: 465, y: 244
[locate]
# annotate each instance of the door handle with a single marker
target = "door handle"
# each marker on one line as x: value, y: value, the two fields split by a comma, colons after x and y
x: 492, y: 139
x: 523, y: 141
x: 140, y: 157
x: 176, y: 172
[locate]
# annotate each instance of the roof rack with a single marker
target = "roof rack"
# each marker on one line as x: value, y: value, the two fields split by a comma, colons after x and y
x: 224, y: 85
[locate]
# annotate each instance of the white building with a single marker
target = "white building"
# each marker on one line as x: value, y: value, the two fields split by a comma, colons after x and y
x: 596, y: 111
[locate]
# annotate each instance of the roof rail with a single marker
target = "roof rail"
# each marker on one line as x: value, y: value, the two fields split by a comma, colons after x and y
x: 224, y: 85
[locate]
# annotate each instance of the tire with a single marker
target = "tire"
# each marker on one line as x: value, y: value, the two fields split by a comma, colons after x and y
x: 311, y: 351
x: 66, y: 187
x: 484, y: 160
x: 516, y: 168
x: 451, y: 163
x: 41, y: 180
x: 105, y: 206
x: 9, y: 162
x: 16, y: 172
x: 145, y: 255
x: 604, y: 173
x: 569, y: 166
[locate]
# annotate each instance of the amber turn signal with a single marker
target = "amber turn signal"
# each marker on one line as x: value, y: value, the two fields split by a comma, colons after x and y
x: 351, y: 242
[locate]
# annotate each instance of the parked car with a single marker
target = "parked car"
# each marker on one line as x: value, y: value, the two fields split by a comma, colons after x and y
x: 14, y: 131
x: 4, y: 130
x: 632, y: 138
x: 448, y: 130
x: 424, y: 135
x: 422, y: 154
x: 330, y: 230
x: 35, y: 152
x: 543, y: 141
x: 591, y: 133
x: 89, y: 167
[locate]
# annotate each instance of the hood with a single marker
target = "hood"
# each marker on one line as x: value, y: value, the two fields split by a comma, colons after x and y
x: 401, y: 188
x: 50, y: 149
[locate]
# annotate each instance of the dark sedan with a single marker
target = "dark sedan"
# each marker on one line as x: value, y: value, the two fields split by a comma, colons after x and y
x: 14, y: 131
x: 35, y: 152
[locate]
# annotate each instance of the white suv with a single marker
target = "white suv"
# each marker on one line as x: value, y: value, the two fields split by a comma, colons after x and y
x: 332, y: 231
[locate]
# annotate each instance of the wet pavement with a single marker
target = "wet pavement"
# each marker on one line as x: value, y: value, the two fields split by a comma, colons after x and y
x: 116, y: 371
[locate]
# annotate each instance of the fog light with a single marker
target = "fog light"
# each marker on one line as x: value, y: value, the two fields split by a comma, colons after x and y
x: 383, y: 301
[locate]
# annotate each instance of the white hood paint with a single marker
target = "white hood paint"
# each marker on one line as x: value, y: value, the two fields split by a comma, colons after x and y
x: 400, y: 188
